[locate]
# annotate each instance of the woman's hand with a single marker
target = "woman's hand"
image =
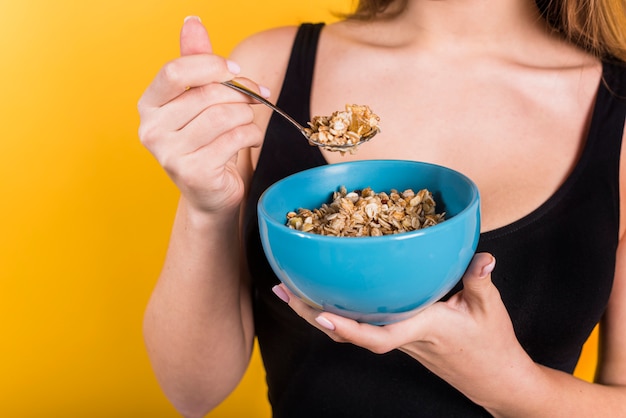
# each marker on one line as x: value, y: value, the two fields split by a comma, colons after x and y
x: 195, y: 127
x: 468, y: 340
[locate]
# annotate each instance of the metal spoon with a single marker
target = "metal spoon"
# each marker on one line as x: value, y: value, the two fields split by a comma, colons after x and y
x: 331, y: 147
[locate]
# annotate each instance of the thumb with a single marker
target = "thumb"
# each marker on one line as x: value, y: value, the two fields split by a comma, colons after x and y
x: 194, y: 38
x: 477, y: 278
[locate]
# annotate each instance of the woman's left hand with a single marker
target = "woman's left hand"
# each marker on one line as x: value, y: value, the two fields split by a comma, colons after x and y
x: 467, y: 340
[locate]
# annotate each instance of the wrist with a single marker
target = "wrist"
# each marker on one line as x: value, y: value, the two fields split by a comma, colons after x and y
x: 525, y: 393
x: 208, y: 221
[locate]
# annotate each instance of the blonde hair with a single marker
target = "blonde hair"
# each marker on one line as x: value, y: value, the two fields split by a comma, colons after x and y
x: 598, y: 26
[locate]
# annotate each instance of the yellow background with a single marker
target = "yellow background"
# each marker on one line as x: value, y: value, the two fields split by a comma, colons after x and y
x: 85, y: 211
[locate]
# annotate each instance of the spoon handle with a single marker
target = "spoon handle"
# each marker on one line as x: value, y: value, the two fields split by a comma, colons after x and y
x: 243, y: 89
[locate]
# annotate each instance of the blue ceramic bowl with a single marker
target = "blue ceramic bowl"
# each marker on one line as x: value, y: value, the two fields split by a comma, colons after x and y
x: 377, y: 280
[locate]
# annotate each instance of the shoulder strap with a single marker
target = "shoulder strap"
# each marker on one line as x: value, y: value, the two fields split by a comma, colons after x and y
x: 295, y: 93
x: 614, y: 76
x: 284, y: 150
x: 609, y: 115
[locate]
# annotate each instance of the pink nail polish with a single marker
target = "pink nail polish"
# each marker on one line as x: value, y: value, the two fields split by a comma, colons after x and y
x: 265, y: 92
x: 325, y: 323
x: 278, y: 291
x: 233, y: 67
x: 488, y: 268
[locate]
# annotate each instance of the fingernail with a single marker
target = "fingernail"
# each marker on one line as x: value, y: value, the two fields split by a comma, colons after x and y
x: 193, y: 18
x: 265, y: 92
x: 325, y: 323
x: 278, y: 291
x: 233, y: 67
x: 488, y: 268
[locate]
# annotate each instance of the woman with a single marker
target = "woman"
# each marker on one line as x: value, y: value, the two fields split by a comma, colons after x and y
x: 526, y: 99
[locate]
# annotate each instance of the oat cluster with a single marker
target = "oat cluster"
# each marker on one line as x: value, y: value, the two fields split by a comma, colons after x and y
x: 367, y: 213
x: 343, y: 130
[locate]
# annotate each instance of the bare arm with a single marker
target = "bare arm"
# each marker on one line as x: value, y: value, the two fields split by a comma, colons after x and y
x: 198, y: 324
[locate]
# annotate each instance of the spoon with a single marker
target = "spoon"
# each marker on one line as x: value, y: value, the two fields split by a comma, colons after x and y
x: 329, y: 146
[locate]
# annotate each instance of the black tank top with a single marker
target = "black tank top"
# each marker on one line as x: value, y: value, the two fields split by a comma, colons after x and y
x: 555, y: 273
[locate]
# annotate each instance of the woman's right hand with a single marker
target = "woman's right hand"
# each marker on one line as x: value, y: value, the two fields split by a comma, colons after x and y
x: 195, y: 127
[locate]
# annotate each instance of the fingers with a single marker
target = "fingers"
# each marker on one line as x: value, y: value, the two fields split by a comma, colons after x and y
x: 199, y: 170
x: 194, y: 38
x: 305, y: 311
x: 181, y: 74
x: 225, y: 128
x: 197, y: 66
x: 480, y: 268
x: 477, y: 285
x: 378, y: 339
x: 196, y: 119
x: 478, y: 295
x: 196, y: 127
x: 183, y: 110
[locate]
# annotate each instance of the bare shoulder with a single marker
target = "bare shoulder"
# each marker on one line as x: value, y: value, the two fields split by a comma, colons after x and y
x: 263, y: 56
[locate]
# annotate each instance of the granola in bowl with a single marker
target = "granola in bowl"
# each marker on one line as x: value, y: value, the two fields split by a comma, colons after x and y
x: 367, y: 213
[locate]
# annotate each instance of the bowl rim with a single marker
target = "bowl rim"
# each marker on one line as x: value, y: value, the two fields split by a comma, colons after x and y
x: 448, y: 223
